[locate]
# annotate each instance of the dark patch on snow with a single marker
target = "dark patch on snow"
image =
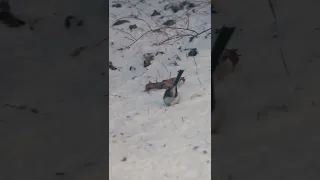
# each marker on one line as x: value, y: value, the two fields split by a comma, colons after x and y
x: 155, y: 13
x: 133, y: 26
x: 193, y: 52
x: 111, y: 66
x: 131, y: 68
x: 195, y: 147
x: 147, y: 58
x: 119, y: 22
x: 117, y: 5
x: 177, y: 7
x: 159, y: 52
x: 169, y: 22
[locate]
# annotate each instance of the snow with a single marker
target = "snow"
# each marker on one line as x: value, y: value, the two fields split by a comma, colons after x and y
x: 158, y: 142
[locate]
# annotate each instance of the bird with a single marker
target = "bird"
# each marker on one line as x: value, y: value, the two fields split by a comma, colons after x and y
x: 171, y: 95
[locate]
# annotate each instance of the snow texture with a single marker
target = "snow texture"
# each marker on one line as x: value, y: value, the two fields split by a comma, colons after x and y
x: 149, y: 140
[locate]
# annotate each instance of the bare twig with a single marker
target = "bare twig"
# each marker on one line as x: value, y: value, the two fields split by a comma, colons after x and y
x: 158, y: 73
x: 129, y: 38
x: 152, y: 20
x: 116, y: 95
x: 206, y: 36
x: 272, y: 10
x: 102, y: 41
x: 274, y: 16
x: 134, y: 17
x: 123, y: 32
x: 188, y: 21
x: 284, y: 62
x: 138, y: 76
x: 183, y: 35
x: 200, y: 82
x: 164, y: 66
x: 195, y: 64
x: 177, y: 34
x: 276, y: 34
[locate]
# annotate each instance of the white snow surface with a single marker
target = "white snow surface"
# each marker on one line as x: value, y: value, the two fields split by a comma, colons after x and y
x: 156, y: 141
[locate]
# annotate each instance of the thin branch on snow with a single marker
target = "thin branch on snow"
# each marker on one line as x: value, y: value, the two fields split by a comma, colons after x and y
x: 194, y: 60
x: 178, y: 32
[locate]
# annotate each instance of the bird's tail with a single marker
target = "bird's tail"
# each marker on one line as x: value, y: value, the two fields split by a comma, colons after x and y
x: 178, y: 77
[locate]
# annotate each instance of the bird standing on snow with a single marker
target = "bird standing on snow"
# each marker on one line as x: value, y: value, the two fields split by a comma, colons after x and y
x: 171, y: 96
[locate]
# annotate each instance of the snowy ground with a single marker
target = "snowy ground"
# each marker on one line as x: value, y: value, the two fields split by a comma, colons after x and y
x: 147, y: 139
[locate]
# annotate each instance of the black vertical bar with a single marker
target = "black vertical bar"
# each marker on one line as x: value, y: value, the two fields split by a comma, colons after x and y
x: 221, y: 42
